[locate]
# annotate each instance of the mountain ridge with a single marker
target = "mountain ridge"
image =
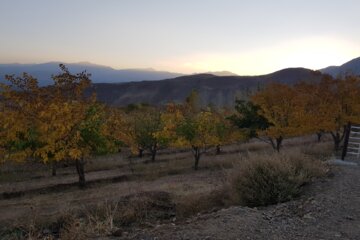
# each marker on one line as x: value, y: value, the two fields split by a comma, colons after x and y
x: 212, y: 90
x: 350, y: 67
x: 158, y: 88
x: 99, y: 73
x: 107, y: 74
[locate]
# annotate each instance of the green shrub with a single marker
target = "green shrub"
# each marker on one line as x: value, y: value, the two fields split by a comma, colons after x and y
x: 263, y: 180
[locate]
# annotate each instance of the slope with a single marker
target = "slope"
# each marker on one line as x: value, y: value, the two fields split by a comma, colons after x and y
x: 213, y: 90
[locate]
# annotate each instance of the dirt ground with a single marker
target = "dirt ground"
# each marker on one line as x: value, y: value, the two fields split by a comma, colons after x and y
x: 30, y: 190
x: 329, y: 209
x: 47, y: 197
x: 52, y: 204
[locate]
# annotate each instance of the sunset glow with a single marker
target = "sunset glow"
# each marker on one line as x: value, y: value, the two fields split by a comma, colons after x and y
x: 243, y: 37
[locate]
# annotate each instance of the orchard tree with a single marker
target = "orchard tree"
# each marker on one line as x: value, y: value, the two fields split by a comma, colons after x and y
x: 66, y: 123
x: 198, y: 132
x: 314, y: 101
x: 147, y: 128
x: 19, y: 107
x: 345, y: 106
x: 248, y: 119
x: 186, y: 125
x: 279, y: 107
x: 329, y: 105
x: 225, y: 132
x: 116, y: 128
x: 13, y: 131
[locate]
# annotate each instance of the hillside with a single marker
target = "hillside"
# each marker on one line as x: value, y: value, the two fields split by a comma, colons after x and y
x: 332, y: 202
x: 51, y: 205
x: 99, y: 74
x: 216, y: 90
x: 123, y: 87
x: 351, y: 67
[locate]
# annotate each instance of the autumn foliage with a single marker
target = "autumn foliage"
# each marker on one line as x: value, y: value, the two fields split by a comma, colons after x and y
x: 305, y: 108
x: 199, y: 129
x: 64, y: 122
x: 53, y: 123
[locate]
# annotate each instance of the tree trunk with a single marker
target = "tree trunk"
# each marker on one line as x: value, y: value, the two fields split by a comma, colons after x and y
x: 218, y: 149
x: 80, y: 170
x: 153, y: 152
x: 346, y: 140
x: 197, y: 157
x: 272, y: 143
x: 337, y: 137
x: 141, y: 151
x: 278, y: 143
x: 337, y: 140
x: 53, y: 169
x: 319, y: 135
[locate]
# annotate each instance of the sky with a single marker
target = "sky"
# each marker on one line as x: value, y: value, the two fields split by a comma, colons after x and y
x: 247, y: 37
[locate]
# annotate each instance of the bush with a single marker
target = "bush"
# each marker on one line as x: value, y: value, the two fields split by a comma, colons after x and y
x: 102, y: 219
x: 192, y: 204
x: 263, y: 180
x: 321, y: 151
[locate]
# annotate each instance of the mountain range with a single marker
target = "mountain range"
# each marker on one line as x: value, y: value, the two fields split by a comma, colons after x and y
x: 127, y: 86
x: 212, y: 90
x: 219, y: 90
x: 99, y: 73
x: 351, y: 67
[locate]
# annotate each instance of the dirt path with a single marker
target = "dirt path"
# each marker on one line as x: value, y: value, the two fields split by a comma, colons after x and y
x: 328, y: 210
x: 51, y: 204
x: 58, y: 180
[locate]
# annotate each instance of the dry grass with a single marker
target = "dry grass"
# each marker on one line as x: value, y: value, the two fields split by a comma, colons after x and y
x: 103, y: 219
x: 321, y: 151
x: 16, y: 172
x: 248, y: 166
x: 269, y: 179
x: 189, y: 205
x: 184, y: 165
x: 255, y: 145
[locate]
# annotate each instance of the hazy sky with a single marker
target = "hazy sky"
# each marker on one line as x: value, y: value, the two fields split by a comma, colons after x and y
x: 246, y: 37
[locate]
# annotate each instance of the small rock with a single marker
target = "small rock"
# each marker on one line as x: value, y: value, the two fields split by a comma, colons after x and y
x: 46, y: 231
x: 308, y: 216
x: 117, y: 233
x: 349, y: 218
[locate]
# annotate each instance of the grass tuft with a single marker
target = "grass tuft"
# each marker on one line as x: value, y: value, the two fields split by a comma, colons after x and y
x: 269, y: 179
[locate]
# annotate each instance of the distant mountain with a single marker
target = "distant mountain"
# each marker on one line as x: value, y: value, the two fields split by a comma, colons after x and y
x: 99, y: 74
x: 351, y: 67
x: 214, y: 90
x: 123, y: 87
x: 222, y: 73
